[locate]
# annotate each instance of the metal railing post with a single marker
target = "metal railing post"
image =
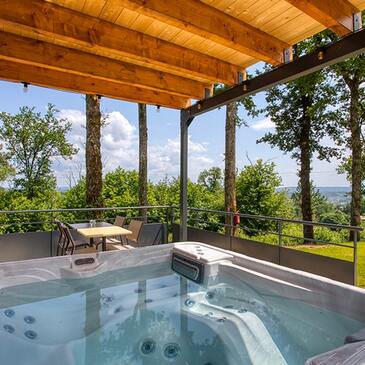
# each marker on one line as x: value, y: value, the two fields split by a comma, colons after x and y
x: 172, y: 218
x: 167, y: 217
x: 231, y: 216
x: 355, y: 256
x: 51, y: 236
x: 280, y: 239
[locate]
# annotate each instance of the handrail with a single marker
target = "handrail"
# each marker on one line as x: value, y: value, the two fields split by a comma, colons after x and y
x: 222, y: 212
x: 60, y: 210
x: 277, y: 219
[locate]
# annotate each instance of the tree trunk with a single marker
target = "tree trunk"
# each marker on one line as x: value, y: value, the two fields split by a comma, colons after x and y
x: 230, y: 162
x: 94, y: 180
x: 304, y: 175
x: 142, y: 171
x: 356, y: 150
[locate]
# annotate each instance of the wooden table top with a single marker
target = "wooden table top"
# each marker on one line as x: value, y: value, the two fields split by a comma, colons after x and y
x: 99, y: 232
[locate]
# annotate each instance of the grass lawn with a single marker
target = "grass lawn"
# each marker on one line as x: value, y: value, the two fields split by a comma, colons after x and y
x: 341, y: 253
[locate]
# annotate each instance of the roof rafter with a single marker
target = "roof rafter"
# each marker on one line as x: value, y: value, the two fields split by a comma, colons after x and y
x: 41, y: 76
x: 39, y: 53
x: 39, y: 19
x: 334, y: 14
x: 207, y: 21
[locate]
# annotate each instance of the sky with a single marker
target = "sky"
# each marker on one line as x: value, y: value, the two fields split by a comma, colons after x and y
x: 120, y: 138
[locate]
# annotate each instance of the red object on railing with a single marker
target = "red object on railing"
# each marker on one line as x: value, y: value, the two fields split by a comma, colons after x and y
x: 236, y: 219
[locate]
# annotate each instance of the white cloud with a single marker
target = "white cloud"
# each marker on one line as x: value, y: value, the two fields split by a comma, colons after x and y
x: 263, y: 124
x: 119, y: 146
x: 165, y: 159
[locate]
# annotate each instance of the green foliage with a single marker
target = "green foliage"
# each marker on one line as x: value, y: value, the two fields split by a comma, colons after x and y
x: 6, y: 170
x: 120, y: 188
x: 32, y: 141
x: 75, y: 196
x: 307, y: 98
x: 257, y: 194
x: 211, y: 179
x: 293, y: 235
x: 25, y: 222
x: 323, y: 210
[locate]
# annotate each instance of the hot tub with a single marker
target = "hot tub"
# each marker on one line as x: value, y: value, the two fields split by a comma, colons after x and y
x: 131, y: 308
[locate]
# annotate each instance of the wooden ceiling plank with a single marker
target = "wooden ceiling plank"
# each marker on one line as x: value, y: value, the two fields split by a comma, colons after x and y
x: 95, y: 35
x: 208, y: 22
x: 41, y: 76
x: 44, y: 54
x: 334, y: 14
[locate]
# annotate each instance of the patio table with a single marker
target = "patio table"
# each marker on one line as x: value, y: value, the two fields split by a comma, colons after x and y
x: 100, y: 230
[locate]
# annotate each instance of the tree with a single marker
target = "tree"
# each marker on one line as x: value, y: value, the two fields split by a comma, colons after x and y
x: 211, y: 179
x: 32, y: 142
x: 257, y: 194
x: 6, y: 170
x: 350, y: 85
x: 94, y: 168
x: 346, y: 168
x: 300, y: 111
x: 142, y: 170
x: 324, y: 211
x: 230, y: 159
x: 232, y: 121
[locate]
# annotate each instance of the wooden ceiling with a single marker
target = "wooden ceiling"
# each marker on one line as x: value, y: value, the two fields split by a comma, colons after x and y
x: 155, y: 51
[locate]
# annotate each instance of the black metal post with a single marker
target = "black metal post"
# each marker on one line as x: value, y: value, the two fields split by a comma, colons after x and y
x: 185, y: 121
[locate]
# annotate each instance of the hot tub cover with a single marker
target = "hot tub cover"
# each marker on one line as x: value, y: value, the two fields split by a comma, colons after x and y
x: 349, y: 354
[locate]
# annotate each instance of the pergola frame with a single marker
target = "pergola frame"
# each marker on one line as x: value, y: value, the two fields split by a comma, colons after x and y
x: 349, y: 46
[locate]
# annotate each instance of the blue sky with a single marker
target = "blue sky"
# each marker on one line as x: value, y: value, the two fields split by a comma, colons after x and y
x: 120, y: 138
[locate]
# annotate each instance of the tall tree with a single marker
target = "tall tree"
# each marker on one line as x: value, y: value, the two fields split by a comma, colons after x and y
x: 230, y: 159
x: 32, y: 142
x: 233, y: 121
x: 94, y: 169
x: 302, y: 117
x: 142, y: 171
x: 350, y: 86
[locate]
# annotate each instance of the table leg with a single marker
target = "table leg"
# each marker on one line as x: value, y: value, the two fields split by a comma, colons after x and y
x: 104, y: 244
x: 91, y: 242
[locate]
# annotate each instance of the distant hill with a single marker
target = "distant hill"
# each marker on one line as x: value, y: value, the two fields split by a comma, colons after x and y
x: 339, y: 195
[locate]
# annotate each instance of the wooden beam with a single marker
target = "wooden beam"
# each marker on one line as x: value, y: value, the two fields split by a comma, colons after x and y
x: 41, y: 76
x: 345, y: 48
x: 42, y: 20
x: 206, y: 21
x: 334, y: 14
x: 39, y: 53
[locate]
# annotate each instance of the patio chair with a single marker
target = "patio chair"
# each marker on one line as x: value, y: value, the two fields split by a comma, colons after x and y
x: 135, y: 226
x: 117, y: 240
x: 62, y: 239
x: 71, y: 246
x: 119, y: 221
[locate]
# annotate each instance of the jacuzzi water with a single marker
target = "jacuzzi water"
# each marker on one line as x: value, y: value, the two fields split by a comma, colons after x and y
x: 112, y: 319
